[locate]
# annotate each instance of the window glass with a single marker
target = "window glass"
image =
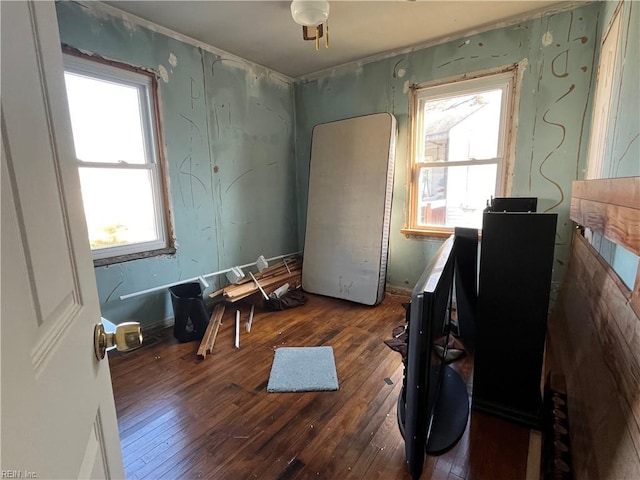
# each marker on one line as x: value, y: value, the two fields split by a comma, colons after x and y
x: 114, y: 133
x: 455, y: 195
x: 458, y: 150
x: 118, y: 205
x: 106, y: 121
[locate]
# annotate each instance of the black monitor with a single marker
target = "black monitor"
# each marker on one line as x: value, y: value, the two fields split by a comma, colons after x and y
x: 433, y: 407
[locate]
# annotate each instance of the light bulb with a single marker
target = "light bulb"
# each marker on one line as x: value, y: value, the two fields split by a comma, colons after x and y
x: 309, y: 13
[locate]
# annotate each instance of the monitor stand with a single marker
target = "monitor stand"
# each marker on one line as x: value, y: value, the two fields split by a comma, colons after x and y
x: 451, y: 413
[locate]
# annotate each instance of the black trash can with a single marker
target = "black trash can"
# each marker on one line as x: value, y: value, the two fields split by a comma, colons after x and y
x: 190, y: 314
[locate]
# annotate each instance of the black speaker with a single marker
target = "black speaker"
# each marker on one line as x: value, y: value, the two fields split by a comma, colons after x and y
x: 466, y: 278
x: 513, y: 204
x: 516, y: 261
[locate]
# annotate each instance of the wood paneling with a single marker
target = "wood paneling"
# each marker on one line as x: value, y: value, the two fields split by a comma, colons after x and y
x: 624, y: 192
x: 595, y: 336
x: 181, y: 417
x: 610, y: 207
x: 621, y: 225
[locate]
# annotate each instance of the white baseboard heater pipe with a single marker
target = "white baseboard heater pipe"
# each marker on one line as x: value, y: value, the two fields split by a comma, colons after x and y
x: 201, y: 278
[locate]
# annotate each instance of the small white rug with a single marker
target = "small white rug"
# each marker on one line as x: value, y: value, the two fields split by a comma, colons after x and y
x: 303, y: 369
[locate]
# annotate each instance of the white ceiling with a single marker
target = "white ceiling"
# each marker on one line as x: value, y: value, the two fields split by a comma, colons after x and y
x: 265, y: 33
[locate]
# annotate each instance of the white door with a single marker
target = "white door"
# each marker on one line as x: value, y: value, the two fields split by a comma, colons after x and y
x: 58, y: 417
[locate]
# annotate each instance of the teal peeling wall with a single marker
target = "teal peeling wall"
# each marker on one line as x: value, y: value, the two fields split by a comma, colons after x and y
x: 553, y: 121
x: 228, y: 137
x: 622, y: 155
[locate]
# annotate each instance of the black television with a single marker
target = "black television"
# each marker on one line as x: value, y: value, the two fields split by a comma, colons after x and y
x: 433, y: 406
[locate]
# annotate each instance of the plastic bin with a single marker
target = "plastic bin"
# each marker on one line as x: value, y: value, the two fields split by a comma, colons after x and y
x: 190, y: 314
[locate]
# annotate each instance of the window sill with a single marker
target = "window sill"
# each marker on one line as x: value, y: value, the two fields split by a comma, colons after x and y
x: 427, y: 232
x: 101, y: 262
x: 443, y: 232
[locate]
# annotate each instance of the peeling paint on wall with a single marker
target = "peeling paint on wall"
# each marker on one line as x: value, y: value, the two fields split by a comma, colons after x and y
x: 164, y: 75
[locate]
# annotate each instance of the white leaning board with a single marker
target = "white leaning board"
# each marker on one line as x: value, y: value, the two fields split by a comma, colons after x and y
x: 349, y: 208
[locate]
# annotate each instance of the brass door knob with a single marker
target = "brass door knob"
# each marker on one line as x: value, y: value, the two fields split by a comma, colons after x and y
x: 127, y: 336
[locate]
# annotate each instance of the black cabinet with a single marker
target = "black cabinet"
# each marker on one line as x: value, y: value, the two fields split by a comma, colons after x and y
x: 516, y: 260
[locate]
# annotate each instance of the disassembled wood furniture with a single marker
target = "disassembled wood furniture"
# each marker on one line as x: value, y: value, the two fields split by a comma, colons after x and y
x: 270, y: 279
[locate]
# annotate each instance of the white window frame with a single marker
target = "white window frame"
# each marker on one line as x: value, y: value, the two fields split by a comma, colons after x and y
x: 503, y: 78
x: 599, y: 141
x: 146, y: 85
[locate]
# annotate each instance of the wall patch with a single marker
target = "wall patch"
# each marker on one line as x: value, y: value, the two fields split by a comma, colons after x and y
x: 163, y: 73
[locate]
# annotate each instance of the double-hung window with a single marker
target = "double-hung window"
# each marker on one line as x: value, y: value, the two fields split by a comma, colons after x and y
x: 459, y: 147
x: 113, y: 118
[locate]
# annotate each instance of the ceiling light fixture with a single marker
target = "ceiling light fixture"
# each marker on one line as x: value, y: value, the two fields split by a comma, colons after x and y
x: 313, y: 15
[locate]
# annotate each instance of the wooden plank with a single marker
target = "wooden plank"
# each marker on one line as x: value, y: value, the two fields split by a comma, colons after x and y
x: 624, y: 192
x: 621, y: 225
x: 595, y: 335
x: 257, y: 284
x: 237, y: 292
x: 216, y: 315
x: 219, y: 313
x: 250, y: 321
x: 202, y: 349
x: 610, y: 207
x: 579, y: 352
x: 618, y: 328
x: 291, y: 265
x: 216, y: 293
x: 617, y: 325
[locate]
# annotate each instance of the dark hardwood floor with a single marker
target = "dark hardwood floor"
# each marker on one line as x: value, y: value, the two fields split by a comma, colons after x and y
x: 181, y: 417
